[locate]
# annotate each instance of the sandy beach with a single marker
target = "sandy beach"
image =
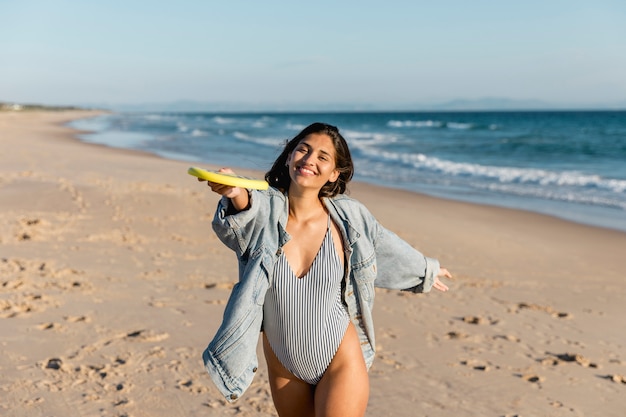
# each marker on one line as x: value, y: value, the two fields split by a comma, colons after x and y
x: 113, y: 283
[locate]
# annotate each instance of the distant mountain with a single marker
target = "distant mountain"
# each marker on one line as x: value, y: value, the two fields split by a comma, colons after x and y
x: 494, y: 103
x: 506, y: 104
x: 482, y: 104
x: 221, y: 106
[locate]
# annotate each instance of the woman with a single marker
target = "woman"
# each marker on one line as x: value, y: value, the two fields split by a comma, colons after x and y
x: 309, y: 258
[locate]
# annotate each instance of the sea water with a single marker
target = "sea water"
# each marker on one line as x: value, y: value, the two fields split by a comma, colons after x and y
x: 569, y: 164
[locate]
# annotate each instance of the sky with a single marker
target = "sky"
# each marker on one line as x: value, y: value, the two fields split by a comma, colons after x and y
x: 382, y: 53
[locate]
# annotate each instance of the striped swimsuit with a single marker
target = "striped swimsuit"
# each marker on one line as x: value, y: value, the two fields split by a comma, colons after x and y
x: 304, y: 318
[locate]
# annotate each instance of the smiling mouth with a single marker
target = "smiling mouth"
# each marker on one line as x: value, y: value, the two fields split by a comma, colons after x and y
x: 306, y: 171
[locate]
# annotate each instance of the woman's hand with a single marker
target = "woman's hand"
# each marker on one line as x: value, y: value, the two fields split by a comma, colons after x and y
x: 238, y: 196
x: 221, y: 189
x: 443, y: 272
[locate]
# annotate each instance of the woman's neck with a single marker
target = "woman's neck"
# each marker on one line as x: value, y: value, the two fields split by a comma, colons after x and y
x: 303, y: 206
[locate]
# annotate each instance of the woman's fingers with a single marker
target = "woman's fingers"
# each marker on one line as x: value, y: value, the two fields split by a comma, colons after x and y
x: 440, y: 285
x: 443, y: 272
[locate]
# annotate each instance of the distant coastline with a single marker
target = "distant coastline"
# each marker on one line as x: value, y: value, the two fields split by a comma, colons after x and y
x: 460, y: 105
x: 484, y: 104
x: 38, y: 107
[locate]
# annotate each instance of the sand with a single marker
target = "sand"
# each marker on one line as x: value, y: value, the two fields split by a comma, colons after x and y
x: 112, y: 284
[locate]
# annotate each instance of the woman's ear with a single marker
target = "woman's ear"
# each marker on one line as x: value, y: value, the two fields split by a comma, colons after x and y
x: 334, y: 176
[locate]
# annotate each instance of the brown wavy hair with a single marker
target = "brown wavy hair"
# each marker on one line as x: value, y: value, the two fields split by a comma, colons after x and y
x: 278, y: 175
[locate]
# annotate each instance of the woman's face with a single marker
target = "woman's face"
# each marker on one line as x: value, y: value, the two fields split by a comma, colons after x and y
x: 312, y: 162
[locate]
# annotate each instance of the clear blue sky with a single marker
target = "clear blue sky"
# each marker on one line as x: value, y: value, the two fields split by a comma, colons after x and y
x: 110, y: 51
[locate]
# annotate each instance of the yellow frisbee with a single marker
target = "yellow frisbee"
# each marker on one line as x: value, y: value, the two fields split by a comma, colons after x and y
x: 228, y: 179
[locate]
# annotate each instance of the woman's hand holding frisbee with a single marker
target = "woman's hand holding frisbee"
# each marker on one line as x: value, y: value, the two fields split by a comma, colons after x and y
x: 227, y: 191
x: 238, y: 196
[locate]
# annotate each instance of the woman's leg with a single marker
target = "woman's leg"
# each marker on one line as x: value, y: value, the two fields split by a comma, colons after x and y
x: 344, y: 388
x: 292, y: 396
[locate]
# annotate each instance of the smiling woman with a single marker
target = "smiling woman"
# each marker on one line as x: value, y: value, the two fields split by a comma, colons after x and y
x: 338, y: 150
x: 309, y: 259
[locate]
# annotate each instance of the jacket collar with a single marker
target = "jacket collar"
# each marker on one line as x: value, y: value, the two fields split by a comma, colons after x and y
x: 350, y: 234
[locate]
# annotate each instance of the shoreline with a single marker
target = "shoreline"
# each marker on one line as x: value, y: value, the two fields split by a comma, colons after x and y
x: 113, y: 283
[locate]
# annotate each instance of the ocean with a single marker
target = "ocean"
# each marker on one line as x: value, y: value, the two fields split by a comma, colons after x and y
x: 568, y: 164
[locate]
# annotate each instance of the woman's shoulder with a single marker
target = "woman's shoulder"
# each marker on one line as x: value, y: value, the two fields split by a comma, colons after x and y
x: 345, y: 200
x: 271, y: 193
x: 349, y: 205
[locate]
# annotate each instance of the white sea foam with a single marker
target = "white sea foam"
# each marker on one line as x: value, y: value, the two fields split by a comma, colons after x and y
x: 541, y: 177
x: 241, y: 136
x: 359, y: 139
x: 262, y: 122
x: 156, y: 117
x: 411, y: 123
x: 431, y: 124
x: 295, y: 126
x: 223, y: 120
x: 198, y: 133
x: 567, y: 195
x: 273, y: 142
x: 455, y: 125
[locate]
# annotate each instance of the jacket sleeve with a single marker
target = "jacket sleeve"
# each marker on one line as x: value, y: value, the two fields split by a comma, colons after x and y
x: 237, y: 229
x: 400, y: 265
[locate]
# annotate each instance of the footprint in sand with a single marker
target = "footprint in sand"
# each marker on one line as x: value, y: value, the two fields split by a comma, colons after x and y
x: 50, y: 326
x: 30, y: 274
x: 11, y: 266
x: 532, y: 378
x: 29, y: 229
x: 619, y: 379
x: 167, y: 303
x: 509, y: 337
x: 227, y: 286
x: 387, y: 359
x: 479, y: 320
x: 456, y: 335
x: 77, y: 319
x: 23, y: 304
x: 23, y: 234
x: 558, y: 358
x: 191, y: 387
x: 220, y: 285
x: 146, y: 336
x: 479, y: 365
x: 54, y: 363
x: 546, y: 309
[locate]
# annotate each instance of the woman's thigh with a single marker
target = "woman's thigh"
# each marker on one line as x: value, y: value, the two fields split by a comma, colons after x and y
x: 344, y: 388
x: 291, y: 396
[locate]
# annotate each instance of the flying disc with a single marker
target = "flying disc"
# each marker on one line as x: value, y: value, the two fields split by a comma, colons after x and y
x: 228, y: 179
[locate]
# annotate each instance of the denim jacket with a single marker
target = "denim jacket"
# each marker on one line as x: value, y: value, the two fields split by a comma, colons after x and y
x: 375, y: 257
